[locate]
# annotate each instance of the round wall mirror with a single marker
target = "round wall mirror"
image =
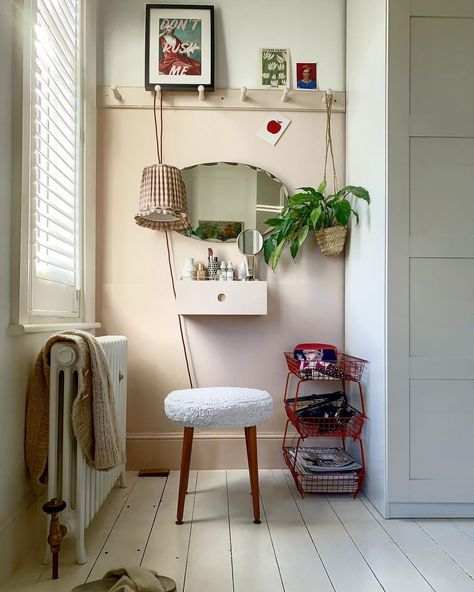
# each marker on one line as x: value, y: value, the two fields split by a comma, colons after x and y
x: 225, y: 198
x: 250, y: 242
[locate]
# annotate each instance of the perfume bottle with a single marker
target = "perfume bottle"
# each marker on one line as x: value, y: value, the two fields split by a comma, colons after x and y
x: 242, y: 272
x: 223, y: 272
x: 201, y: 272
x: 188, y: 272
x: 230, y: 272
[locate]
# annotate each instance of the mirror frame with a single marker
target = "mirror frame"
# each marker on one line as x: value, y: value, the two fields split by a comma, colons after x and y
x: 187, y: 232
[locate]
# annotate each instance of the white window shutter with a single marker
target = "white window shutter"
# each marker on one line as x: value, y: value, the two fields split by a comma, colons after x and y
x: 56, y: 158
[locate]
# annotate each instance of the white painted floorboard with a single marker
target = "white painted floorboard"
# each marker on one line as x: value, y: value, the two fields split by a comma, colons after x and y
x: 167, y: 549
x: 209, y: 560
x: 325, y: 544
x: 253, y: 557
x: 454, y: 541
x: 127, y: 541
x: 439, y: 569
x: 393, y: 569
x: 296, y: 555
x: 344, y: 562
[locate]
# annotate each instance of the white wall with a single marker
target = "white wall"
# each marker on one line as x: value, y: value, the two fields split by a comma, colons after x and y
x: 16, y: 352
x: 312, y: 29
x: 365, y: 261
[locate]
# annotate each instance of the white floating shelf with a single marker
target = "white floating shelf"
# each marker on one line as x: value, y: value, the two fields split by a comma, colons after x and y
x: 221, y: 298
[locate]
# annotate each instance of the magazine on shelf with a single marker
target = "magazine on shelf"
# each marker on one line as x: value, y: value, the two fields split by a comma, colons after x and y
x: 336, y: 462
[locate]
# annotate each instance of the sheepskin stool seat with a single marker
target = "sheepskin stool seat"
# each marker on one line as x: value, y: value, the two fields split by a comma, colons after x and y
x: 219, y: 407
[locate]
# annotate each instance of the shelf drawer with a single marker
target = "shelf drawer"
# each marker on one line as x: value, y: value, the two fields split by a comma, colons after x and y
x: 221, y: 298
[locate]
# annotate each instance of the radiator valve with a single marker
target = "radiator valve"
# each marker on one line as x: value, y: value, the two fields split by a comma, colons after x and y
x: 57, y: 531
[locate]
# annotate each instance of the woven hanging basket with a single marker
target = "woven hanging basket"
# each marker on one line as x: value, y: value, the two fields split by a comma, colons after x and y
x: 331, y: 240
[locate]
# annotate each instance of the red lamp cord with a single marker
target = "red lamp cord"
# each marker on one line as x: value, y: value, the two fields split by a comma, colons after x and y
x: 159, y: 152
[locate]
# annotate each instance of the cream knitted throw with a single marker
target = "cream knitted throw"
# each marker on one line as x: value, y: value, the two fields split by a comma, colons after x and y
x: 94, y: 420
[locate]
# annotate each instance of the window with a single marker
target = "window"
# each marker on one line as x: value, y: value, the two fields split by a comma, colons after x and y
x: 58, y: 172
x: 56, y: 158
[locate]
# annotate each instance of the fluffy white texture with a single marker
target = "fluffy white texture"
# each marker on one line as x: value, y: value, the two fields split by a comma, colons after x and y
x: 219, y: 407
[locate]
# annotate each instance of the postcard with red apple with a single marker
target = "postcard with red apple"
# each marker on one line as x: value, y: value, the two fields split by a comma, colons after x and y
x: 273, y: 127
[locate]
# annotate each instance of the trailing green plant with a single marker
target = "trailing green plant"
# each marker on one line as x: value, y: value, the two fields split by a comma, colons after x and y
x: 306, y: 211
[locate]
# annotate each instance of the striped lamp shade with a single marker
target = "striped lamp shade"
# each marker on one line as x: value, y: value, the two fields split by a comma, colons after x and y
x: 163, y: 204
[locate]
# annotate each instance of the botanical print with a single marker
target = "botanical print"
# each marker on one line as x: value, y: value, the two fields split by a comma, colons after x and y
x: 179, y: 40
x: 306, y: 77
x: 218, y: 230
x: 274, y: 67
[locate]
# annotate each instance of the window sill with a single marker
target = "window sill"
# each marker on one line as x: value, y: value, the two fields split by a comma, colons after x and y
x: 23, y: 328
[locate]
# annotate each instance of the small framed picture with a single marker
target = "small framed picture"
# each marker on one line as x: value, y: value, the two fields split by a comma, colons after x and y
x: 219, y: 230
x: 306, y: 76
x: 274, y: 67
x: 179, y: 46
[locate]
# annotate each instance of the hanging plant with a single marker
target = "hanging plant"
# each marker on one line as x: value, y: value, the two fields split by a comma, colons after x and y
x: 314, y: 210
x: 310, y: 210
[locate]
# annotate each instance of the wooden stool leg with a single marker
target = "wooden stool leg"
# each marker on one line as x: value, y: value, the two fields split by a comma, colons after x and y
x: 184, y: 474
x: 251, y: 441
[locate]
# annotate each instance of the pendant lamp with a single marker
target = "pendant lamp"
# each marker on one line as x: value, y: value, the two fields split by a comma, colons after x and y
x: 162, y: 204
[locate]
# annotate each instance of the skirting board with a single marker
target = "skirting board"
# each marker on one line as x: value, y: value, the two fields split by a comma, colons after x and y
x: 430, y: 510
x: 22, y: 535
x: 210, y: 451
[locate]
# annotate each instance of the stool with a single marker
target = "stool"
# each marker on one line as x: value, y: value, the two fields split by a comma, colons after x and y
x: 219, y: 407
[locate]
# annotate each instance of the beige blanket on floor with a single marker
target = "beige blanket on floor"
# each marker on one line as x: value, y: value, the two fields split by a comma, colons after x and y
x: 94, y: 419
x: 130, y: 579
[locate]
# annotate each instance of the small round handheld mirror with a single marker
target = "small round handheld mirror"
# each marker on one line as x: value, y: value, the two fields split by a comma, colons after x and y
x: 250, y: 243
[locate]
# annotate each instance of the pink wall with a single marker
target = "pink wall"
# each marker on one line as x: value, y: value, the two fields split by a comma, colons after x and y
x: 134, y: 295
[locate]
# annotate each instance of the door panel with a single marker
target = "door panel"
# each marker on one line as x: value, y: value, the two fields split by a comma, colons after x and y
x: 431, y: 287
x: 441, y: 307
x: 441, y: 413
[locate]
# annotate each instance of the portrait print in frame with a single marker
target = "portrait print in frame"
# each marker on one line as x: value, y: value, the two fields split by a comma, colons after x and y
x: 179, y: 46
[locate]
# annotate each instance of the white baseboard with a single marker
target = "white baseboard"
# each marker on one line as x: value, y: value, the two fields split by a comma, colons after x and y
x: 22, y: 534
x: 211, y: 450
x: 430, y: 510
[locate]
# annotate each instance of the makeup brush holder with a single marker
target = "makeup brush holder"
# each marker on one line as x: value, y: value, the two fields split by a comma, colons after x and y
x: 212, y: 268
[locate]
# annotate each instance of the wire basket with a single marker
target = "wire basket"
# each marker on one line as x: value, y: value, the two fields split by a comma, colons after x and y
x: 344, y: 368
x: 325, y: 427
x: 324, y: 483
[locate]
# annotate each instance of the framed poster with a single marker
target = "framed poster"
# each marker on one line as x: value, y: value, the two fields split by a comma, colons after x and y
x: 306, y: 76
x: 274, y: 70
x: 179, y: 46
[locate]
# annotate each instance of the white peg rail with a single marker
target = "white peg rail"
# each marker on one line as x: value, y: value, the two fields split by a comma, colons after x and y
x: 133, y: 97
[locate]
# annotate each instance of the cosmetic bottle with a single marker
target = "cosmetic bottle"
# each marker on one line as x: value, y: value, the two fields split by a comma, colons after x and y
x: 201, y: 272
x: 223, y: 272
x: 242, y: 272
x: 188, y: 273
x: 230, y: 272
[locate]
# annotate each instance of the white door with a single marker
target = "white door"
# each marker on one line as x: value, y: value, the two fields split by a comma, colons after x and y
x: 431, y: 260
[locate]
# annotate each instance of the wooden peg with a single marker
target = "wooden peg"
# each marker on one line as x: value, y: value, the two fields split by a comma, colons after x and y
x: 117, y: 95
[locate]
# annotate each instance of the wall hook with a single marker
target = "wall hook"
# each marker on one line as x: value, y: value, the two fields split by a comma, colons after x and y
x: 243, y: 93
x: 284, y: 96
x: 328, y: 93
x: 158, y: 89
x: 116, y: 92
x: 202, y: 96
